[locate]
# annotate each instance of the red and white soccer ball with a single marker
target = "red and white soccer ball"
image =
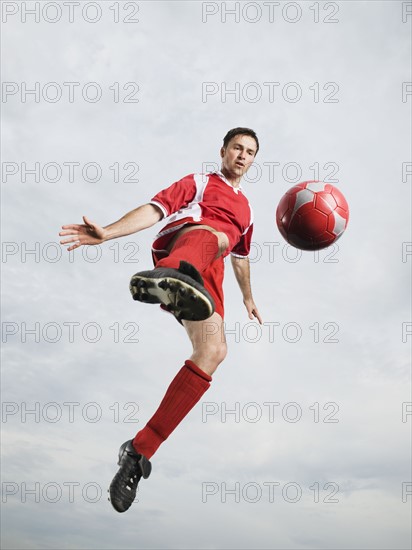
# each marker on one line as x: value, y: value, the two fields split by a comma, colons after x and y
x: 312, y: 215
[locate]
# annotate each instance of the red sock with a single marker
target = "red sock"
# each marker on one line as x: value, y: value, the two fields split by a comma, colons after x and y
x: 184, y: 392
x: 199, y: 247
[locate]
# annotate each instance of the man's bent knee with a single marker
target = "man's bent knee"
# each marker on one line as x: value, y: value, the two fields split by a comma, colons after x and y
x: 218, y: 353
x: 208, y: 358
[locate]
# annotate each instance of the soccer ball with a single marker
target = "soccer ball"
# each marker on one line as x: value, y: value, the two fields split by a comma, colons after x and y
x: 312, y: 215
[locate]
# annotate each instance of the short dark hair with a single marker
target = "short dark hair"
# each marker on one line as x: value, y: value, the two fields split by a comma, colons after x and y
x: 240, y: 131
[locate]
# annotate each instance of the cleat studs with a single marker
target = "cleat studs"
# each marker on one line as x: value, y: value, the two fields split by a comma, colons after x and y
x: 141, y: 284
x: 135, y: 296
x: 144, y: 296
x: 162, y: 285
x: 193, y: 297
x: 182, y: 291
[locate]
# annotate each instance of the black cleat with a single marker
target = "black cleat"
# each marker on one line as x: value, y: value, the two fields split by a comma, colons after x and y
x: 133, y: 466
x: 179, y: 291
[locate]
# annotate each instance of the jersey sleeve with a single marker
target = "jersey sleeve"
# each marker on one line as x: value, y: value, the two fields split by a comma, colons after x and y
x: 176, y: 196
x: 242, y: 248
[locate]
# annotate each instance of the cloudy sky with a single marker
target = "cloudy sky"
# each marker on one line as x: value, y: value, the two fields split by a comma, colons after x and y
x: 303, y: 440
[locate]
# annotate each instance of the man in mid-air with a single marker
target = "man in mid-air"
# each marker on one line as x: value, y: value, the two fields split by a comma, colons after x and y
x: 208, y: 218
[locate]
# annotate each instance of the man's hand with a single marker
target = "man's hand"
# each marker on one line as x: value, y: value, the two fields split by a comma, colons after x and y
x: 88, y: 233
x: 252, y: 310
x: 140, y: 218
x: 241, y: 268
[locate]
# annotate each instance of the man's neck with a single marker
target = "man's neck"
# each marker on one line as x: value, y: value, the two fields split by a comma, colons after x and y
x: 233, y: 180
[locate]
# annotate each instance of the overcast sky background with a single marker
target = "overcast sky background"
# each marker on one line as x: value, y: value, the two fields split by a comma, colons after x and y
x: 356, y: 295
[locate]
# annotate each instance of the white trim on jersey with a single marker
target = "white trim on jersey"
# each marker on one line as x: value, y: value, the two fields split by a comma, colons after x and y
x: 162, y: 208
x: 251, y: 217
x: 170, y: 230
x: 239, y: 256
x: 193, y: 209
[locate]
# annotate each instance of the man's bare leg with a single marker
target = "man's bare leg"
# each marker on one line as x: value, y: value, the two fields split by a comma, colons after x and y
x: 208, y: 341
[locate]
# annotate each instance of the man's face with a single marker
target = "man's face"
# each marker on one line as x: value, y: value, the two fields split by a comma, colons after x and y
x: 238, y: 156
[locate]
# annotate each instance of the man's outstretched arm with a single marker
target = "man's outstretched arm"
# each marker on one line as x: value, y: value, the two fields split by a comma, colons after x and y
x: 241, y: 267
x: 91, y: 233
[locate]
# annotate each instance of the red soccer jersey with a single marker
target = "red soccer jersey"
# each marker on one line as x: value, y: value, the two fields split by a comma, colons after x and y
x: 211, y: 200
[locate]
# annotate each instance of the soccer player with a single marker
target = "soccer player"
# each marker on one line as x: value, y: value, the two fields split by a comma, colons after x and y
x: 208, y: 218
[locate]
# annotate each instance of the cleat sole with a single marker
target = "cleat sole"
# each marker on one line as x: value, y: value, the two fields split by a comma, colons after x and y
x: 181, y: 298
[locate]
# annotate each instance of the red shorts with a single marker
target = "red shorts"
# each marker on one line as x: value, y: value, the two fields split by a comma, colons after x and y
x: 212, y: 276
